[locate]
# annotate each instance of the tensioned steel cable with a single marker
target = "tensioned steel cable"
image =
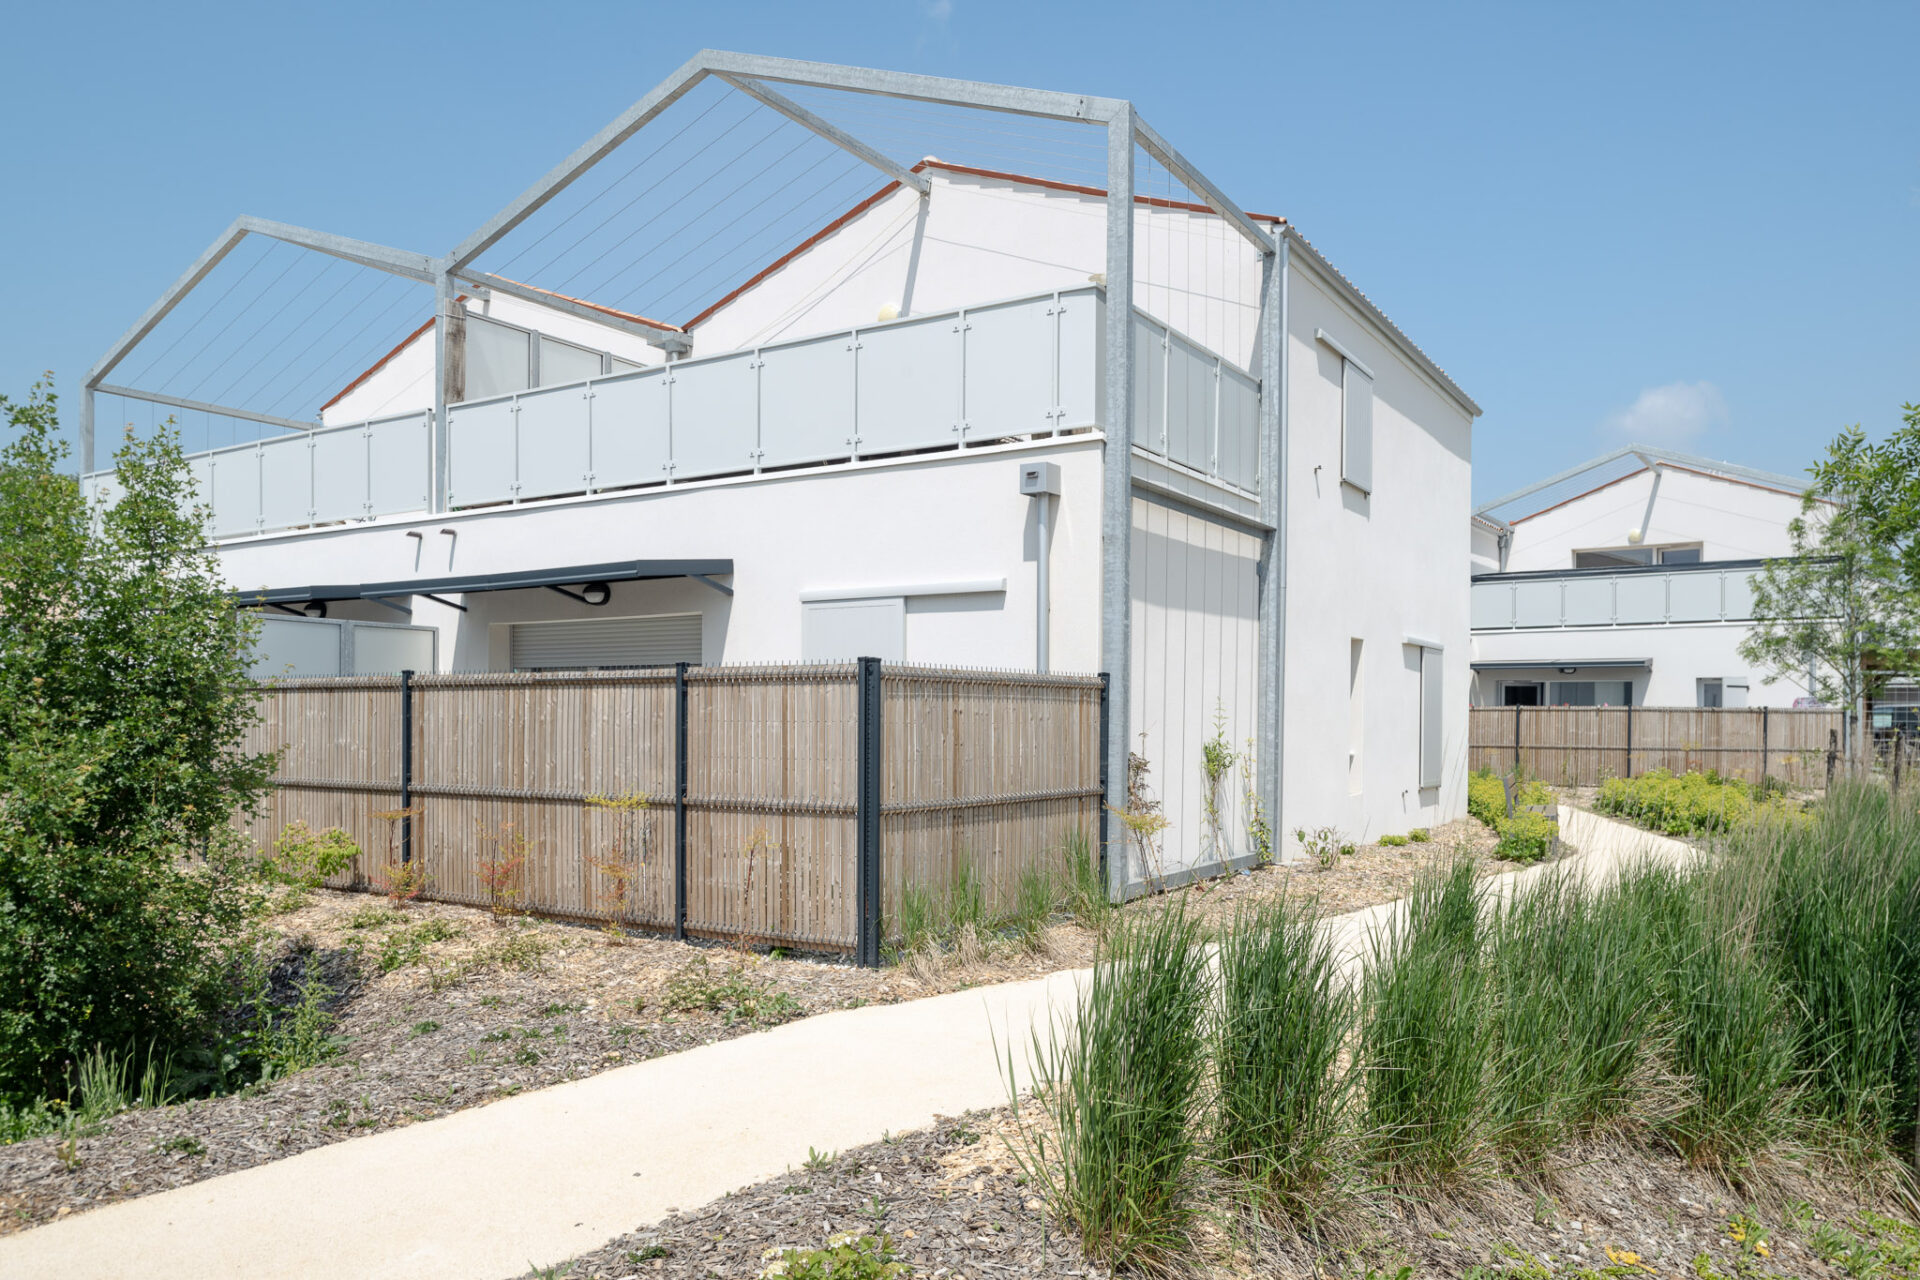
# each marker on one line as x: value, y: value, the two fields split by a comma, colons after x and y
x: 273, y: 246
x: 608, y: 190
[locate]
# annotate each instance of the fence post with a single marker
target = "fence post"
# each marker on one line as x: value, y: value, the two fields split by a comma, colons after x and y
x: 867, y: 816
x: 680, y: 801
x: 406, y: 767
x: 1629, y: 733
x: 1106, y: 730
x: 1516, y: 742
x: 1833, y: 754
x: 1766, y: 749
x: 1899, y: 755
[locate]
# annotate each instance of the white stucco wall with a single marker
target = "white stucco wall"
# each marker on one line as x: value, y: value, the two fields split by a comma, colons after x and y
x: 885, y: 526
x: 1680, y: 655
x: 1732, y: 519
x: 1381, y: 568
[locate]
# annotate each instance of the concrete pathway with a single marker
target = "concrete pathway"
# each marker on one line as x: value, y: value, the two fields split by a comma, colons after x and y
x: 541, y: 1177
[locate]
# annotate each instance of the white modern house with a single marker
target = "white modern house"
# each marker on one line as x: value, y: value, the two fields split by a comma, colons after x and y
x: 951, y: 412
x: 1626, y: 581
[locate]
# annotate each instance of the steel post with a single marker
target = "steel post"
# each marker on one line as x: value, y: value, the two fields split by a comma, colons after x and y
x: 867, y: 816
x: 1116, y: 513
x: 406, y: 767
x: 680, y: 800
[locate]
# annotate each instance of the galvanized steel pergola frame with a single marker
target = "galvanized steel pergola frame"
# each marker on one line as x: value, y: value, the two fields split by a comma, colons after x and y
x: 755, y: 75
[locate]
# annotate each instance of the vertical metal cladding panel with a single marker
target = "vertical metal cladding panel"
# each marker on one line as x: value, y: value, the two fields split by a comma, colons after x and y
x: 1492, y: 604
x: 1191, y: 388
x: 399, y: 464
x: 286, y: 482
x: 1149, y: 385
x: 1640, y: 597
x: 630, y: 422
x: 1693, y: 597
x: 1011, y: 349
x: 1195, y: 656
x: 553, y: 445
x: 715, y: 415
x: 340, y: 473
x: 806, y: 401
x: 908, y: 390
x: 1082, y: 343
x: 481, y: 465
x: 236, y: 491
x: 1589, y: 601
x: 1239, y: 450
x: 1536, y: 604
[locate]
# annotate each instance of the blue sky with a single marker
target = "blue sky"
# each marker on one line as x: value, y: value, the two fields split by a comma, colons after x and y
x: 1693, y: 225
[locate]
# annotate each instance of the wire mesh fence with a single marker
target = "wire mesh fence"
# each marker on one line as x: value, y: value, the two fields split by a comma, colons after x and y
x: 778, y: 805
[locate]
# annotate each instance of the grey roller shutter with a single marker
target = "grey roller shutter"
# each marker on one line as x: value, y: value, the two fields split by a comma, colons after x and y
x: 1356, y: 428
x: 590, y: 644
x: 1433, y: 704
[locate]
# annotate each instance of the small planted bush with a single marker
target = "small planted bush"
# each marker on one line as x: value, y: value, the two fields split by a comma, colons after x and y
x: 847, y: 1256
x: 1525, y: 837
x: 1394, y: 842
x: 1690, y: 804
x: 306, y: 859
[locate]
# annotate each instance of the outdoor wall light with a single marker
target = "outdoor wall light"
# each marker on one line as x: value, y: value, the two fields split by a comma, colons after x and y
x: 314, y: 608
x: 594, y: 593
x: 1566, y: 671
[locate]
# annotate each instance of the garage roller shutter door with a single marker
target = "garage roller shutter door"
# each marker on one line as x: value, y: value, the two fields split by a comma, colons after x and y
x: 598, y: 643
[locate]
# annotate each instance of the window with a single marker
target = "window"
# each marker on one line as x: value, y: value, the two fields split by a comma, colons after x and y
x: 1356, y: 714
x: 1356, y: 417
x: 1712, y: 693
x: 504, y: 358
x: 1356, y: 426
x: 1515, y: 693
x: 1433, y: 702
x: 842, y: 630
x: 1590, y: 693
x: 1631, y: 557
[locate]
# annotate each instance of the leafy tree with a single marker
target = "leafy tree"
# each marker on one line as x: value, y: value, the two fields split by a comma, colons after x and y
x: 123, y: 706
x: 1842, y: 608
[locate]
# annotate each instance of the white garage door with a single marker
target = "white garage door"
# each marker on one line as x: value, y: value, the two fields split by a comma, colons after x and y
x: 599, y: 643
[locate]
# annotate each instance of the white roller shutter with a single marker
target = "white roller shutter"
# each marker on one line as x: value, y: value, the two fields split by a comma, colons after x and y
x: 597, y: 643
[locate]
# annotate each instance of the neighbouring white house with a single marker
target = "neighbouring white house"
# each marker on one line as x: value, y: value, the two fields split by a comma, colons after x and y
x: 1627, y: 581
x: 1064, y: 406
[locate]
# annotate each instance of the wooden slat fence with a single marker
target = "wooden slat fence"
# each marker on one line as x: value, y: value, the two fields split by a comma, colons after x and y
x: 1584, y: 746
x: 718, y: 801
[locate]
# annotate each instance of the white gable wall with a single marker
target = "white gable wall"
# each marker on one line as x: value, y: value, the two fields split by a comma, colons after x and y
x: 1382, y: 568
x: 1735, y: 520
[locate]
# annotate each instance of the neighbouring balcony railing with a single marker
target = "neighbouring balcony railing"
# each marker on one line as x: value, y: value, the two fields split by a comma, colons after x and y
x: 1024, y: 367
x: 1625, y: 597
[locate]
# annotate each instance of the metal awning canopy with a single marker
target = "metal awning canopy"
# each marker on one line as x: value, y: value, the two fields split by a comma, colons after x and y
x: 1595, y: 664
x: 521, y: 580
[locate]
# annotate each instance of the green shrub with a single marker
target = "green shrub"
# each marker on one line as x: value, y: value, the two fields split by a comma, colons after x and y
x: 306, y: 858
x: 1393, y: 842
x: 123, y: 705
x: 1420, y: 835
x: 1691, y: 804
x: 408, y: 944
x: 1284, y: 1016
x: 735, y: 993
x: 1526, y: 837
x: 1121, y: 1089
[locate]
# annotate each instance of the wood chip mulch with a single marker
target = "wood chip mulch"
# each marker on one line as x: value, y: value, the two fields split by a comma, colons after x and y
x: 955, y: 1206
x: 950, y: 1199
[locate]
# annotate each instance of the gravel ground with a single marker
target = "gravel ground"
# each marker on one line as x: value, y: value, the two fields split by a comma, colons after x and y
x: 429, y: 1025
x: 953, y: 1203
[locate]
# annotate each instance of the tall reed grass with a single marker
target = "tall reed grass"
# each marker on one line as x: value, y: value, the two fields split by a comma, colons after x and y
x: 1122, y: 1094
x: 1284, y: 1017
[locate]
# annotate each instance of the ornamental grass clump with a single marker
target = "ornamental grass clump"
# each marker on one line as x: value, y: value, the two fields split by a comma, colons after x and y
x: 1280, y: 1095
x: 1122, y: 1087
x: 1424, y: 1033
x: 1575, y: 980
x: 1841, y: 923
